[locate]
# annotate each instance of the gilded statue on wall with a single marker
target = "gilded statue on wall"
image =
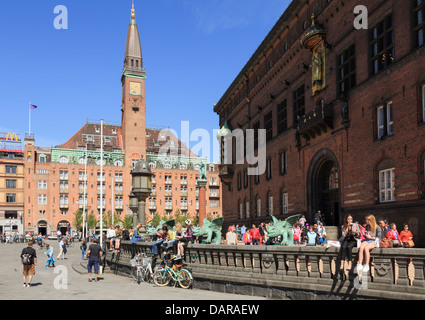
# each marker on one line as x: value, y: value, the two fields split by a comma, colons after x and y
x: 314, y: 42
x: 318, y: 66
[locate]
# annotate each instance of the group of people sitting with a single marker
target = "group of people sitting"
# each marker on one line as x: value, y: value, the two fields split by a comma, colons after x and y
x: 368, y: 236
x: 173, y: 239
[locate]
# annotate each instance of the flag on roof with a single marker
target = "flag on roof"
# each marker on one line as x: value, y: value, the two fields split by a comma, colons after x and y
x: 33, y: 106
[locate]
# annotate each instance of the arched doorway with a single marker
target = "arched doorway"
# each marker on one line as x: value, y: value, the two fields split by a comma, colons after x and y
x: 64, y: 227
x: 42, y: 227
x: 323, y: 187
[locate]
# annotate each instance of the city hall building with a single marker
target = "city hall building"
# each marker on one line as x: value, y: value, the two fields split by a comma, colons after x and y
x: 343, y: 112
x: 60, y: 181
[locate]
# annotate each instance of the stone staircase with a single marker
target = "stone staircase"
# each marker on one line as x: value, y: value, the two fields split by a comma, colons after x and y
x: 332, y: 233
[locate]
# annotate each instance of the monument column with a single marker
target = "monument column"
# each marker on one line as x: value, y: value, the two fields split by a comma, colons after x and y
x: 202, y: 201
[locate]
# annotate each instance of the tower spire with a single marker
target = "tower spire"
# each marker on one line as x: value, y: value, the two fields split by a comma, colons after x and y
x: 133, y: 61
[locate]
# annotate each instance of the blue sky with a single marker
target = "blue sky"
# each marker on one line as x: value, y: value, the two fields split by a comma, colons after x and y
x: 192, y: 52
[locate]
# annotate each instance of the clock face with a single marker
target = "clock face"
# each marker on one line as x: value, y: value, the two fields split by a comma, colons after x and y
x: 135, y: 88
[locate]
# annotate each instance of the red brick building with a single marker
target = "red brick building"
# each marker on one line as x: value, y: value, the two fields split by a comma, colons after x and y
x: 55, y: 186
x: 345, y: 133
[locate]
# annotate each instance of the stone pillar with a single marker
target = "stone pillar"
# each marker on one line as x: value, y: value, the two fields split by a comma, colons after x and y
x: 142, y: 218
x: 202, y: 201
x: 419, y: 280
x: 403, y: 273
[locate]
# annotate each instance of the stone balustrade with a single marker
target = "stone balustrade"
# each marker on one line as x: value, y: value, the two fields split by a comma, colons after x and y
x: 294, y: 272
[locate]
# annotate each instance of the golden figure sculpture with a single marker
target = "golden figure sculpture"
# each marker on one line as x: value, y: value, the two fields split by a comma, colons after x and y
x: 317, y: 68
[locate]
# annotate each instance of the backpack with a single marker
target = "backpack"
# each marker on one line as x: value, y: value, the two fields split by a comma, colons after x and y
x: 26, y: 259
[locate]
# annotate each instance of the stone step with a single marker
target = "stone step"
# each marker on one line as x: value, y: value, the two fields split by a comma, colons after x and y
x: 332, y: 233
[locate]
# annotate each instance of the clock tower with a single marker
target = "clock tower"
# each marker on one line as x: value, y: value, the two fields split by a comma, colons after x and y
x: 133, y: 107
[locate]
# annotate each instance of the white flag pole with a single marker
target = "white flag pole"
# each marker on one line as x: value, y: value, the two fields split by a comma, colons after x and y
x: 29, y: 125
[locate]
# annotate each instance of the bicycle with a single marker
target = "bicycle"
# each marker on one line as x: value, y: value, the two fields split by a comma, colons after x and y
x: 142, y: 268
x: 177, y: 272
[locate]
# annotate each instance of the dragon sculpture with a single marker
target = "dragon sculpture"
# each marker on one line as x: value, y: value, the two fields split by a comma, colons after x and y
x: 212, y: 229
x: 284, y: 229
x: 153, y: 230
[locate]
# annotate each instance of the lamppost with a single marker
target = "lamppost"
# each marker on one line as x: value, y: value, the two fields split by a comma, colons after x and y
x: 134, y: 207
x: 141, y: 177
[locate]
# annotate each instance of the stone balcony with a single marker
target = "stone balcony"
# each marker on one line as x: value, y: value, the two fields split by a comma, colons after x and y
x: 226, y: 172
x: 316, y: 122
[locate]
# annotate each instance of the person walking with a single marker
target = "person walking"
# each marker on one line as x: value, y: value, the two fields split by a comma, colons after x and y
x: 50, y: 259
x: 83, y: 248
x: 61, y: 250
x: 94, y: 253
x: 29, y: 261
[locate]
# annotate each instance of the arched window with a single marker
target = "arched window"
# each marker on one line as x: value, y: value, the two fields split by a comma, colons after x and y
x: 81, y: 160
x: 63, y: 159
x: 118, y: 163
x: 42, y: 158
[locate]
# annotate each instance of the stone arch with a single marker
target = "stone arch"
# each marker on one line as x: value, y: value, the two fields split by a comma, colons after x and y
x: 323, y: 187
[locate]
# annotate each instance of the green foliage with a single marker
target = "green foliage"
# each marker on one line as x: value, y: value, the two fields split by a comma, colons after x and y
x: 155, y: 220
x: 78, y: 219
x: 107, y: 218
x: 178, y: 217
x: 128, y: 221
x: 91, y: 220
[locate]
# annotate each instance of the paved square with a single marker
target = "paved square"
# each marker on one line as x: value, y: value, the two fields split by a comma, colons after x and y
x: 47, y: 283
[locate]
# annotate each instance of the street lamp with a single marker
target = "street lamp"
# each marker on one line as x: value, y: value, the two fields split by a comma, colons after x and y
x: 141, y: 177
x: 134, y: 207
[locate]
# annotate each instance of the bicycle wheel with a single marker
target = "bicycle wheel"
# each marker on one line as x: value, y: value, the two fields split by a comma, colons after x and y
x: 147, y: 274
x: 185, y: 279
x: 161, y: 278
x: 136, y: 275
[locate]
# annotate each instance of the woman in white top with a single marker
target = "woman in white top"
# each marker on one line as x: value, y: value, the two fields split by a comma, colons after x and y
x: 231, y: 237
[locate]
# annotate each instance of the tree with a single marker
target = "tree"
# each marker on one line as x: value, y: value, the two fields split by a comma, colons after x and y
x: 91, y: 220
x: 107, y: 218
x: 128, y: 221
x: 178, y: 217
x: 155, y: 220
x: 78, y: 219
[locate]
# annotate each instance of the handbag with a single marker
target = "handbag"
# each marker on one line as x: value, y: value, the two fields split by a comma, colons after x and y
x: 410, y: 243
x: 386, y: 243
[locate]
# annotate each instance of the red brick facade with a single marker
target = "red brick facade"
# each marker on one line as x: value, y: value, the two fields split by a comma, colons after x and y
x: 369, y: 160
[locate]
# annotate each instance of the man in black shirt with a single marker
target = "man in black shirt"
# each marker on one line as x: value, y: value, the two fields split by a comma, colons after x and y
x: 29, y: 261
x: 94, y: 253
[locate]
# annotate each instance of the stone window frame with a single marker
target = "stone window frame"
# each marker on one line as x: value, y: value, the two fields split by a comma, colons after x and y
x: 418, y: 26
x: 298, y: 103
x: 387, y: 125
x: 384, y: 166
x: 284, y: 201
x: 282, y: 116
x: 283, y: 162
x: 268, y: 125
x: 375, y: 36
x: 350, y: 54
x: 258, y: 206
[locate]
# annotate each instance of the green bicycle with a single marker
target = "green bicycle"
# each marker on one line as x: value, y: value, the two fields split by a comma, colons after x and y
x: 178, y: 273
